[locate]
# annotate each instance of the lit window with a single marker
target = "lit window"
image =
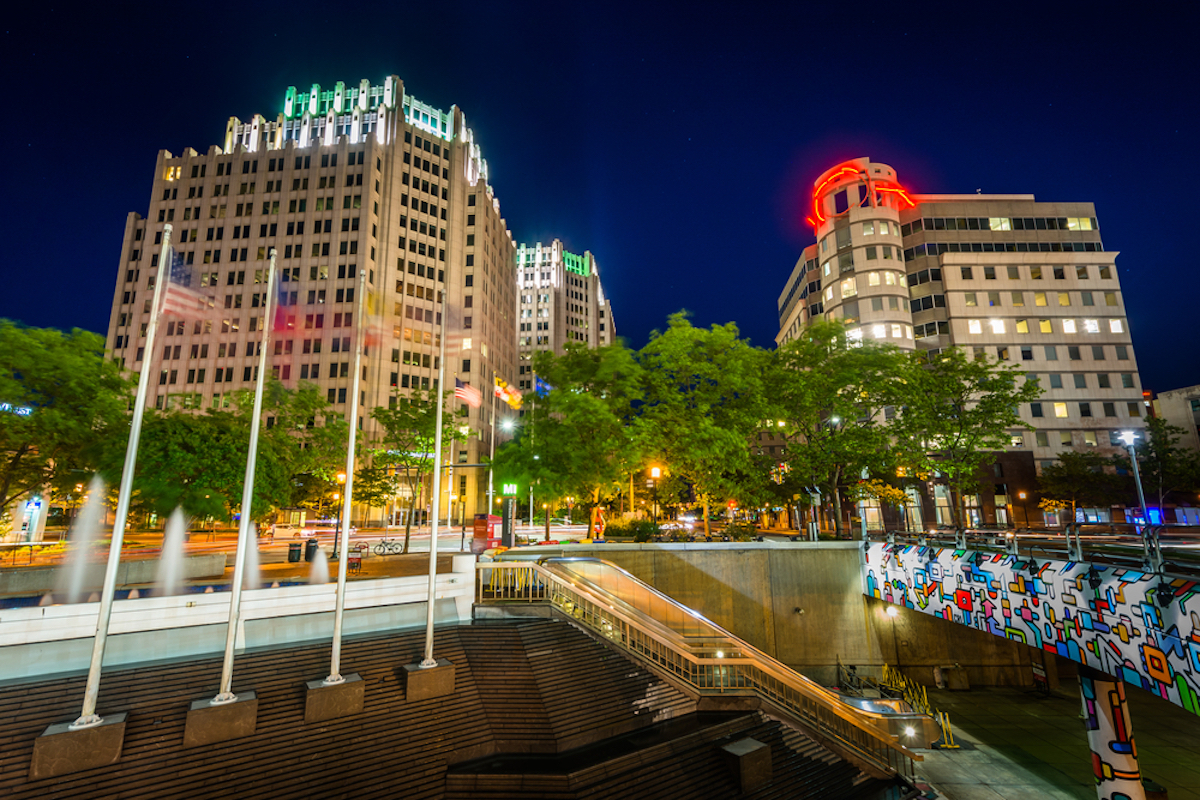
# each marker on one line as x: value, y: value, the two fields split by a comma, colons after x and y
x: 970, y: 299
x: 1044, y: 326
x: 1039, y: 298
x: 1115, y: 326
x: 1079, y: 223
x: 890, y: 278
x: 1035, y: 273
x: 997, y: 325
x: 873, y: 278
x: 828, y: 294
x: 908, y: 331
x: 1110, y: 298
x: 1000, y: 223
x: 1089, y: 438
x: 1022, y: 326
x: 897, y: 333
x: 974, y: 326
x: 1068, y: 326
x: 1017, y: 440
x: 868, y: 229
x: 1091, y: 326
x: 879, y: 331
x: 1060, y: 410
x: 854, y: 335
x: 849, y: 287
x: 1064, y: 298
x: 466, y: 344
x: 827, y: 268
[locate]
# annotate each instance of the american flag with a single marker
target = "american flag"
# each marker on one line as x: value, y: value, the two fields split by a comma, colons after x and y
x: 467, y: 393
x: 180, y: 298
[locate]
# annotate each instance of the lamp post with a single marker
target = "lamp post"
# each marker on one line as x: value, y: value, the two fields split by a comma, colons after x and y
x: 1024, y: 508
x: 655, y: 474
x: 1128, y: 437
x: 337, y: 531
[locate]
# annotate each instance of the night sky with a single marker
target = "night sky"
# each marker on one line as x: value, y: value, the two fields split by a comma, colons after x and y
x: 677, y: 143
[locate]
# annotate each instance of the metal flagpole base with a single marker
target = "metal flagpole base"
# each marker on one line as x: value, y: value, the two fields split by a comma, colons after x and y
x: 425, y: 682
x: 64, y: 748
x: 90, y: 721
x: 342, y: 698
x: 219, y: 720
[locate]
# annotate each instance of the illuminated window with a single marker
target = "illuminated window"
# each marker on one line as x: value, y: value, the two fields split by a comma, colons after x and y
x: 1039, y: 298
x: 1091, y: 326
x: 1064, y: 437
x: 997, y: 325
x: 1068, y: 326
x: 828, y: 293
x: 1000, y: 223
x: 908, y: 333
x: 1022, y: 326
x: 970, y: 299
x: 849, y: 287
x: 1089, y: 437
x: 1044, y: 326
x: 1134, y: 408
x: 827, y: 268
x: 1110, y: 298
x: 1035, y: 273
x: 1064, y: 298
x: 879, y: 331
x: 1018, y: 299
x: 889, y: 278
x: 873, y: 278
x: 1079, y: 223
x: 868, y: 229
x: 1060, y: 411
x: 974, y: 326
x: 1115, y: 326
x: 466, y: 344
x: 855, y: 335
x: 897, y: 332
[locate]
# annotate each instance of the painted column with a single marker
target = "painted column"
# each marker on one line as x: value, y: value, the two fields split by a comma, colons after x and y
x: 1110, y: 736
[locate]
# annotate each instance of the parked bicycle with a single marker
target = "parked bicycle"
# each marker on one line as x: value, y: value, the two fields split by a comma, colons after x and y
x: 387, y: 547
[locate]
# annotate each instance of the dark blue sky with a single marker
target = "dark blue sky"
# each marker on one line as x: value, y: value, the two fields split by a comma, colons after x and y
x: 676, y: 143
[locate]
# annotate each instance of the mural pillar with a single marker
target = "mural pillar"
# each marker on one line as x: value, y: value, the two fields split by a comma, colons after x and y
x: 1110, y: 736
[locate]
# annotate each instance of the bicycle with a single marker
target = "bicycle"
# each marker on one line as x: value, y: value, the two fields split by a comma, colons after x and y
x: 389, y: 547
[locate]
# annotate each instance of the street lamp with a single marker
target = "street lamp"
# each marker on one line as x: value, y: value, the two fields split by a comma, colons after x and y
x: 655, y: 474
x: 1128, y: 438
x: 1024, y: 508
x: 337, y: 531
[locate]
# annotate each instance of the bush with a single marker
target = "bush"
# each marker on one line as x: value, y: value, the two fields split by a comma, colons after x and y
x: 640, y: 530
x: 741, y: 531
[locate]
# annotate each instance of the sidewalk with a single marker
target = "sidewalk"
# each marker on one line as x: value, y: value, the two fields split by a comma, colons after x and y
x: 1021, y: 745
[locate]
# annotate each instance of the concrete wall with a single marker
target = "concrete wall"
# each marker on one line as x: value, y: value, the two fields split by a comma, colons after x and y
x: 39, y: 580
x: 803, y: 603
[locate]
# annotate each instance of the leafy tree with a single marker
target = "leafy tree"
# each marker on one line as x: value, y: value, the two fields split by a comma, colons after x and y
x: 1078, y: 479
x: 1166, y: 468
x: 954, y: 410
x: 406, y: 445
x: 830, y: 393
x: 375, y: 486
x: 77, y: 403
x: 576, y: 440
x: 704, y: 399
x: 305, y: 435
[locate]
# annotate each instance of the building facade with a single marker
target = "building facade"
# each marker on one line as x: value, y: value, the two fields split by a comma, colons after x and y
x: 561, y: 302
x: 1181, y: 408
x: 1004, y: 276
x: 355, y: 180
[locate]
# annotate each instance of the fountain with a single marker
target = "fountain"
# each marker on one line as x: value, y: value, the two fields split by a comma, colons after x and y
x: 169, y: 579
x: 73, y: 577
x: 252, y: 577
x: 319, y: 573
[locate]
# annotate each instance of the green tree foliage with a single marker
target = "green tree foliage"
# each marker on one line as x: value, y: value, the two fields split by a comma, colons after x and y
x: 1168, y: 471
x: 830, y: 394
x: 78, y: 403
x: 1079, y: 480
x: 576, y: 440
x: 703, y: 401
x: 406, y: 446
x: 955, y: 409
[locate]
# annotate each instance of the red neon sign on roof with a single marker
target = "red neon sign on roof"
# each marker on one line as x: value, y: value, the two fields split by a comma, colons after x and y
x: 881, y: 185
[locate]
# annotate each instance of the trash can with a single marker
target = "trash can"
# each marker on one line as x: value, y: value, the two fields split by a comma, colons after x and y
x: 293, y: 552
x: 310, y: 549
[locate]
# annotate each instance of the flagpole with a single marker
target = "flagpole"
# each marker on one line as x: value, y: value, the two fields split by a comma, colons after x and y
x: 335, y: 659
x: 226, y: 695
x: 88, y: 716
x: 429, y: 660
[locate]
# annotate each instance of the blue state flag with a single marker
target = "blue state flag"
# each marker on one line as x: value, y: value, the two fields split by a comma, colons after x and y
x: 540, y: 387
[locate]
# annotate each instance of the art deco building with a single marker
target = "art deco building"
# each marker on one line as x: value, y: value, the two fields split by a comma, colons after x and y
x: 1006, y: 276
x: 561, y: 301
x: 343, y: 180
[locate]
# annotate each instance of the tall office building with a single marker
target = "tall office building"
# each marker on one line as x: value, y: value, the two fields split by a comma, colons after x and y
x: 357, y: 178
x: 1019, y: 280
x: 561, y: 302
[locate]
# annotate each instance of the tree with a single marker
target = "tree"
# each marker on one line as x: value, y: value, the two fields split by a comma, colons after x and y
x: 1166, y: 468
x: 704, y: 399
x: 576, y: 440
x: 60, y: 403
x: 954, y: 410
x: 1078, y: 479
x: 406, y: 445
x: 830, y: 394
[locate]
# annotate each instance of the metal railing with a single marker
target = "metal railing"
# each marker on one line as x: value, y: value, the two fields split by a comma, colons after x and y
x: 675, y: 639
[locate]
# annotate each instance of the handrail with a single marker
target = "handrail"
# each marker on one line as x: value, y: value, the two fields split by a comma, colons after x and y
x: 716, y: 662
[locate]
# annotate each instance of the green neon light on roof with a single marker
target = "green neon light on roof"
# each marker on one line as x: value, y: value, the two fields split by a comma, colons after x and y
x: 576, y: 264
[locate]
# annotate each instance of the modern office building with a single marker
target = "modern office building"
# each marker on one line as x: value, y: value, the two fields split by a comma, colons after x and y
x: 1181, y: 408
x: 1005, y: 276
x: 561, y: 302
x: 341, y: 181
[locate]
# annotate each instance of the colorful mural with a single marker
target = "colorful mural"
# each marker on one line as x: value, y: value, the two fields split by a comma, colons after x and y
x: 1125, y: 626
x: 1110, y: 737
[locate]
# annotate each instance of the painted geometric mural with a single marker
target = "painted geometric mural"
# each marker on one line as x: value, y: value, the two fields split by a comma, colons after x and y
x: 1127, y: 627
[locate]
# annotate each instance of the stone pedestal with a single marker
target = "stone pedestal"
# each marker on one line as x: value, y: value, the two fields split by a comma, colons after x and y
x: 208, y: 723
x: 343, y: 699
x: 60, y: 750
x: 425, y: 684
x: 750, y: 761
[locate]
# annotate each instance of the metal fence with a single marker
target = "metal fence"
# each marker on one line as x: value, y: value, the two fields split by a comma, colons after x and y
x: 708, y: 658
